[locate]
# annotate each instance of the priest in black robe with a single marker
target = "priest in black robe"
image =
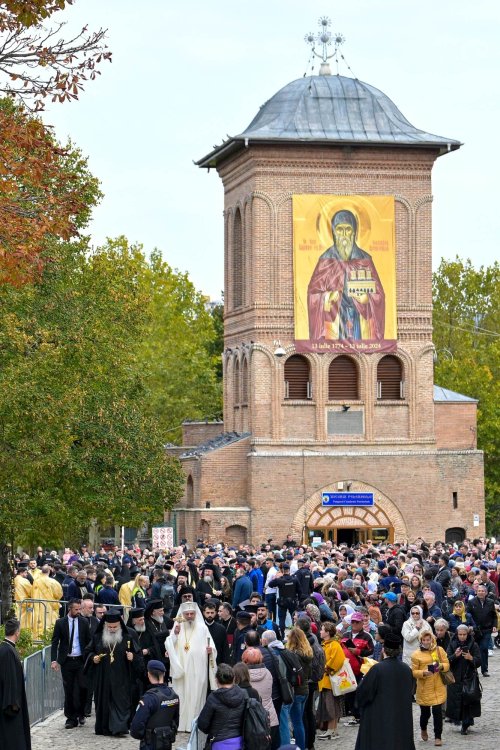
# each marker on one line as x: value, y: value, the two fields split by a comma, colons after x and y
x: 115, y: 661
x: 14, y: 719
x: 384, y: 699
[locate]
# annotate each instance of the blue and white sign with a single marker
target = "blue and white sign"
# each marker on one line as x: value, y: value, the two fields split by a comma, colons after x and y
x: 347, y: 499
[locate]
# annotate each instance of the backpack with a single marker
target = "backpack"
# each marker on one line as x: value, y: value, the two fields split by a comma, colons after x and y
x: 167, y: 595
x: 318, y: 662
x: 294, y: 671
x: 286, y: 690
x: 256, y: 726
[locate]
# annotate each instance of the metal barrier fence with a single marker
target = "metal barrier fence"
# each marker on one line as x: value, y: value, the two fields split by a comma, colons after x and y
x: 44, y: 688
x: 40, y: 615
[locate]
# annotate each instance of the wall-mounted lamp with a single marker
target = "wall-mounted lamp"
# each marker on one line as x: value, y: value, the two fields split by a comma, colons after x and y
x: 278, y: 351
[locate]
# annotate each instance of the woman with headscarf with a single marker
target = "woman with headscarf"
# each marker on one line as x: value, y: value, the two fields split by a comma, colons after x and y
x: 414, y: 625
x: 345, y: 614
x: 460, y: 616
x: 427, y: 662
x: 465, y: 658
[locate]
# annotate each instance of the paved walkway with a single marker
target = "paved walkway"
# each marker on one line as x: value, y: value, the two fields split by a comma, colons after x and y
x: 484, y: 735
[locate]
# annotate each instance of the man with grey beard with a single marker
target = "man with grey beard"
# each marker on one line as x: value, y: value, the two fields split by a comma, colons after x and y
x: 116, y: 664
x: 158, y: 631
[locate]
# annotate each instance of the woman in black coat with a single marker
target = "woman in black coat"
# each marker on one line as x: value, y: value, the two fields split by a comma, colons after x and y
x: 465, y: 659
x: 221, y: 717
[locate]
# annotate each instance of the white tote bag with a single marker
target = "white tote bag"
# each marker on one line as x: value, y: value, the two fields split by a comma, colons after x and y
x: 343, y: 681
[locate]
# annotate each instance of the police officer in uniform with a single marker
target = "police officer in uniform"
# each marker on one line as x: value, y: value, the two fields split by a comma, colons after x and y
x: 288, y: 591
x: 157, y: 716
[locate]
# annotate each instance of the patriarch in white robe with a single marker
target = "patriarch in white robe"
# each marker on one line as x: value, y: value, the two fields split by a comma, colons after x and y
x: 192, y: 655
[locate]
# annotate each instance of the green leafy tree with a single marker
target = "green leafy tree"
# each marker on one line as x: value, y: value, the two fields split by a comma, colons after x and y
x: 467, y: 340
x: 178, y: 352
x: 78, y: 439
x: 216, y: 345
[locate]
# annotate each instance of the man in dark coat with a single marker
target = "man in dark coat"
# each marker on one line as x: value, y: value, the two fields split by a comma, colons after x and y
x: 158, y: 630
x: 116, y: 663
x: 14, y: 719
x: 217, y: 631
x: 384, y: 699
x: 482, y: 609
x: 395, y: 615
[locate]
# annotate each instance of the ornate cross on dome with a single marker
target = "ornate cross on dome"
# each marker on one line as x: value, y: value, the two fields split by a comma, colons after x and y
x: 325, y: 40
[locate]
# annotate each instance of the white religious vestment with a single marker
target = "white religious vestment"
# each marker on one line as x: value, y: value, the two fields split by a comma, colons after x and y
x: 191, y: 668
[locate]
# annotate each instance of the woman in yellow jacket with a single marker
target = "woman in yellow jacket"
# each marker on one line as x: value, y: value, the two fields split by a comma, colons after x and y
x: 330, y: 707
x: 427, y: 663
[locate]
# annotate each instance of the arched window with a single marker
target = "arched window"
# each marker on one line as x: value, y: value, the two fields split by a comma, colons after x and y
x: 297, y: 378
x: 343, y: 380
x: 244, y: 382
x: 390, y: 383
x: 236, y: 383
x: 237, y: 269
x: 189, y: 492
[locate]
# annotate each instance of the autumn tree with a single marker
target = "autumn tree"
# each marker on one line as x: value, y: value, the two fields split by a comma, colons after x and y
x: 42, y: 193
x: 467, y: 341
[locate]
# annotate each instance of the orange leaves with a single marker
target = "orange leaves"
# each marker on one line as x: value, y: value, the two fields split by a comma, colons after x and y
x: 38, y: 197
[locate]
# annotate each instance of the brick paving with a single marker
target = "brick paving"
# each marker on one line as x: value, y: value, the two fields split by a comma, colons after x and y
x: 51, y: 735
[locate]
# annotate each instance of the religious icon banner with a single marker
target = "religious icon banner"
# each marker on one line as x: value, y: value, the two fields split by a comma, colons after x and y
x: 344, y: 263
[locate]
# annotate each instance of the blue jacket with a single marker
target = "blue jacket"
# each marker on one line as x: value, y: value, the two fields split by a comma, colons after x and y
x: 257, y: 580
x: 107, y: 595
x: 242, y: 590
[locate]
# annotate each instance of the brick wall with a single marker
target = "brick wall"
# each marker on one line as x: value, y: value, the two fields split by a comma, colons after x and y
x: 268, y: 484
x: 456, y: 425
x: 194, y: 433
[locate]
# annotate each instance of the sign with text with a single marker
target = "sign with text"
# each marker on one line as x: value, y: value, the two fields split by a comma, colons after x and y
x: 347, y: 499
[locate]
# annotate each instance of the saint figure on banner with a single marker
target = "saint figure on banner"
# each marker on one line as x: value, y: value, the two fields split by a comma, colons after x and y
x: 345, y: 297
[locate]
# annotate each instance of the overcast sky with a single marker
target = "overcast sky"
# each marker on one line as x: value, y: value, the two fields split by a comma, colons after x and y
x: 184, y: 75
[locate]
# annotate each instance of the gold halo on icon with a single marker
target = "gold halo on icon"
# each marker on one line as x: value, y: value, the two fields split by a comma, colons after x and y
x: 358, y: 205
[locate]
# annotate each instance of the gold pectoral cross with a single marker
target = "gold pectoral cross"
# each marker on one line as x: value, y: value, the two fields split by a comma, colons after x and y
x: 186, y: 647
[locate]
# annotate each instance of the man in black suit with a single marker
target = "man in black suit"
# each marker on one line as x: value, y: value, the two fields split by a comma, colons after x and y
x: 71, y: 636
x: 87, y: 611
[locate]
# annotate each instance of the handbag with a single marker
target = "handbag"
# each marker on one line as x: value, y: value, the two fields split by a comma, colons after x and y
x: 471, y: 689
x: 343, y: 681
x: 447, y: 677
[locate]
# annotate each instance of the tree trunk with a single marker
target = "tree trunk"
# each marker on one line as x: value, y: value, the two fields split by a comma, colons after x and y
x: 6, y: 581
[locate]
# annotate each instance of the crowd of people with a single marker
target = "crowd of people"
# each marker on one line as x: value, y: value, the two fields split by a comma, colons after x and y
x: 276, y: 624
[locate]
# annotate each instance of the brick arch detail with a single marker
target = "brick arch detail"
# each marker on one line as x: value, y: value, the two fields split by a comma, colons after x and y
x: 383, y: 513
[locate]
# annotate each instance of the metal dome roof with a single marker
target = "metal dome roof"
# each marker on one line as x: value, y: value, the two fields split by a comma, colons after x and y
x: 333, y: 109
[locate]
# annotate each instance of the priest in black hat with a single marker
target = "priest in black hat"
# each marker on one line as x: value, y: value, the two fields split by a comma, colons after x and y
x: 384, y: 699
x: 158, y: 630
x: 208, y: 587
x: 116, y: 663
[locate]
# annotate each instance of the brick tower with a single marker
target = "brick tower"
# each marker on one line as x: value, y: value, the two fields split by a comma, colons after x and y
x: 328, y: 353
